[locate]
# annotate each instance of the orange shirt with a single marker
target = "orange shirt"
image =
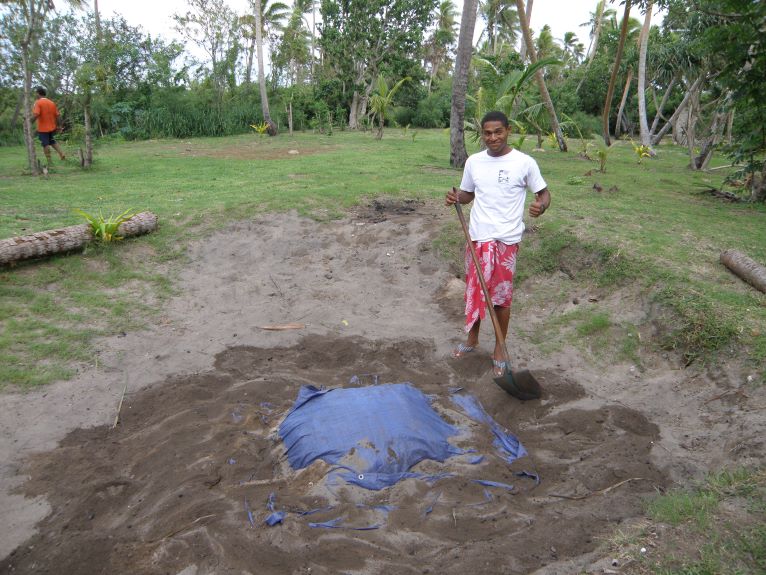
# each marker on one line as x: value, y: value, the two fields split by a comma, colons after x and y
x: 47, y: 115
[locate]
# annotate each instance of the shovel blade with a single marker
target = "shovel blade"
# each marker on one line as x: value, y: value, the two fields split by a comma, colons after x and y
x: 520, y: 384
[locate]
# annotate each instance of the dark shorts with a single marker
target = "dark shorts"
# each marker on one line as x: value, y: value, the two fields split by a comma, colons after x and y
x: 46, y: 138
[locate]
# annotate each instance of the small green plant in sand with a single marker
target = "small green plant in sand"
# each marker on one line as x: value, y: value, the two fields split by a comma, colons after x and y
x: 105, y: 229
x: 584, y: 144
x: 642, y: 151
x: 602, y: 152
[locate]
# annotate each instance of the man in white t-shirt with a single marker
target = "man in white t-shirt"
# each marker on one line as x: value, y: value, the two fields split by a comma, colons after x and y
x: 496, y: 180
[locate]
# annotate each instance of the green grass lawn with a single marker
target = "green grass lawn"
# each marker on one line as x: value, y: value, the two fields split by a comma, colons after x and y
x: 654, y: 229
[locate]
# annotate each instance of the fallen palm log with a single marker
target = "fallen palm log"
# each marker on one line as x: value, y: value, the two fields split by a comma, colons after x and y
x: 744, y: 267
x: 69, y: 239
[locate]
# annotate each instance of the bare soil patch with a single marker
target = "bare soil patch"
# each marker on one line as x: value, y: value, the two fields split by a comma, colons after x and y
x: 168, y: 490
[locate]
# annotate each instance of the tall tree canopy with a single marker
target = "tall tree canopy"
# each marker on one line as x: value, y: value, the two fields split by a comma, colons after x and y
x: 362, y: 38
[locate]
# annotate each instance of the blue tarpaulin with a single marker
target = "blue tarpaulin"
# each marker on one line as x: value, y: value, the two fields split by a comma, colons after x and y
x: 505, y: 442
x: 375, y: 434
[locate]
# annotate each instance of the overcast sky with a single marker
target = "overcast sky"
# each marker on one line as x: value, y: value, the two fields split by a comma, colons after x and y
x: 155, y: 15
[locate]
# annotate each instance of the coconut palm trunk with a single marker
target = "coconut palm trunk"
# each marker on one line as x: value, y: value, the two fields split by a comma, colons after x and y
x: 546, y: 97
x: 615, y: 71
x: 272, y: 127
x: 621, y: 109
x: 643, y: 123
x: 458, y: 153
x: 523, y: 50
x: 658, y: 116
x: 69, y: 239
x: 597, y: 31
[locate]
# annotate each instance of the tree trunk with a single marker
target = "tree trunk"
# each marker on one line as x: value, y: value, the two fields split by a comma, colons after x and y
x: 597, y: 32
x: 624, y: 99
x: 691, y: 128
x: 17, y: 110
x: 290, y: 117
x: 523, y: 50
x: 458, y: 153
x: 272, y: 128
x: 615, y: 71
x: 87, y: 160
x: 692, y: 89
x: 643, y: 124
x: 708, y: 147
x: 546, y: 97
x: 594, y: 42
x: 249, y: 65
x: 730, y: 127
x: 758, y: 189
x: 745, y: 268
x: 98, y: 21
x: 382, y: 119
x: 661, y: 106
x: 353, y: 112
x: 29, y: 138
x: 63, y: 240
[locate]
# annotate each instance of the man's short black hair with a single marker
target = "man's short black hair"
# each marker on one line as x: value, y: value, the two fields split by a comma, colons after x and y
x: 42, y: 91
x: 495, y: 116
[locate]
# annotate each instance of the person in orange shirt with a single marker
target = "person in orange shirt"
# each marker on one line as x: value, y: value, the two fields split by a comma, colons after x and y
x: 48, y: 119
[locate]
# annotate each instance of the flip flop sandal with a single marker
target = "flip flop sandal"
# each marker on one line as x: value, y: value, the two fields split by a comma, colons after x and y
x: 499, y: 367
x: 461, y: 350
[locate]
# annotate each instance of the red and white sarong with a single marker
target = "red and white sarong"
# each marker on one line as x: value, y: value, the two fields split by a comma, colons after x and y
x: 498, y: 262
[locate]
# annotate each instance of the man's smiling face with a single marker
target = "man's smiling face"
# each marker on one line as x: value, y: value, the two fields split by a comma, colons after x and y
x: 495, y: 137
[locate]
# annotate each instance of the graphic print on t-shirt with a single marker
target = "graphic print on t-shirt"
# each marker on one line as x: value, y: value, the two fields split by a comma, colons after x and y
x: 504, y: 177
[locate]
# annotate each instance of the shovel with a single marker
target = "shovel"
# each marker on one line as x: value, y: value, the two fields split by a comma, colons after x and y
x: 521, y: 384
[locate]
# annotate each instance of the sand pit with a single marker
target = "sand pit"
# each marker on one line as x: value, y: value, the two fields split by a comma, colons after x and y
x: 182, y: 484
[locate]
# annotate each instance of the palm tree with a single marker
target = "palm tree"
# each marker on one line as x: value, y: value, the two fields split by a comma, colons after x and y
x: 272, y: 128
x: 546, y: 97
x: 382, y: 100
x: 596, y: 22
x: 32, y: 14
x: 644, y: 134
x: 615, y: 70
x: 572, y: 47
x: 630, y: 58
x: 545, y: 44
x: 500, y: 16
x: 272, y: 20
x: 302, y: 7
x: 528, y: 14
x: 443, y: 37
x: 458, y: 154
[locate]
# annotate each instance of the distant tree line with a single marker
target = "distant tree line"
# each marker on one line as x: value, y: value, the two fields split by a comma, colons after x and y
x: 325, y: 65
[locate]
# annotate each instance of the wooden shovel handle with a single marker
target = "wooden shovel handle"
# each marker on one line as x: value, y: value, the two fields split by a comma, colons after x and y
x: 480, y: 274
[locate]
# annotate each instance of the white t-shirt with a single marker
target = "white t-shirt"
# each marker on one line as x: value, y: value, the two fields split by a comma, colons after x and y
x: 500, y: 184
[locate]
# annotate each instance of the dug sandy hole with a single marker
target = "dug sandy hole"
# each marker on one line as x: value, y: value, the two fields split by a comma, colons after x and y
x: 183, y: 483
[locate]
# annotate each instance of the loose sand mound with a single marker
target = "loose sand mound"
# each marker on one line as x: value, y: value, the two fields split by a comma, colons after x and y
x: 169, y: 489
